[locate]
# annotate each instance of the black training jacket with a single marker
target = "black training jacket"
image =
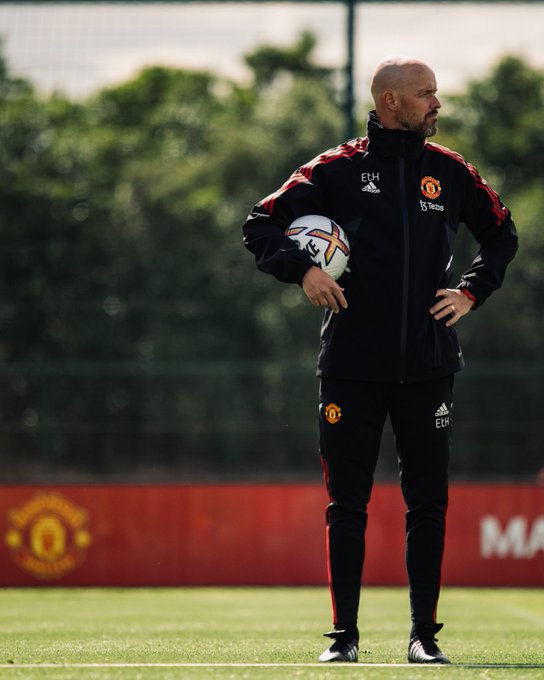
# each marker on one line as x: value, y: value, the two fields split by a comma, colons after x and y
x: 400, y: 199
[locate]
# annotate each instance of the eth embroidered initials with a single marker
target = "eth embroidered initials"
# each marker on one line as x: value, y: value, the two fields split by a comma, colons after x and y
x: 442, y: 417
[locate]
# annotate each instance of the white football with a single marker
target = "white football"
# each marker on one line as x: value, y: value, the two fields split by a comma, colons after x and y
x: 325, y: 241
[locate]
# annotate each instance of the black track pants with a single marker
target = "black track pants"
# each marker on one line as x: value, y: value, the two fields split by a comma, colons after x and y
x: 351, y: 419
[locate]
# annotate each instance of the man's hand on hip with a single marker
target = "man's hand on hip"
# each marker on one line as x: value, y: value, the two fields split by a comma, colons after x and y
x: 452, y: 301
x: 322, y: 290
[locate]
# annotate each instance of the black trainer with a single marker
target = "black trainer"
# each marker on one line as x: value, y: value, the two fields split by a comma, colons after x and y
x: 344, y: 648
x: 423, y: 647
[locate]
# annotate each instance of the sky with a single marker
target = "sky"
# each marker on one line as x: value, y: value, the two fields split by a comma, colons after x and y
x: 79, y: 48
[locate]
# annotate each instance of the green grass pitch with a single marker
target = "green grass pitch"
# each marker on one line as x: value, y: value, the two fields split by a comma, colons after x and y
x: 257, y: 633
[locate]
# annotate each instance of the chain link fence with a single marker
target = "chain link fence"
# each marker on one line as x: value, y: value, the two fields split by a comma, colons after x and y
x: 220, y: 421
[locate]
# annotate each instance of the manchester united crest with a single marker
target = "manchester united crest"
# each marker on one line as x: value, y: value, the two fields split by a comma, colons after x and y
x: 48, y: 535
x: 333, y: 413
x: 430, y: 187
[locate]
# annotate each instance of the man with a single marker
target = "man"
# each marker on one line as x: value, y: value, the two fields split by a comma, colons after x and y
x: 388, y: 339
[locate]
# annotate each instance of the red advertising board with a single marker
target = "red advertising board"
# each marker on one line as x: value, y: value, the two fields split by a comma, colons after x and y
x: 237, y: 534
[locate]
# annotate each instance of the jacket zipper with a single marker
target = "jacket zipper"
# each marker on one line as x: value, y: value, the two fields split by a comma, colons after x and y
x: 406, y: 267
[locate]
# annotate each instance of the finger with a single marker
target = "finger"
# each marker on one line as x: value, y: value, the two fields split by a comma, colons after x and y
x: 438, y: 306
x: 454, y: 319
x: 335, y: 299
x: 331, y: 302
x: 334, y: 306
x: 445, y: 297
x: 445, y: 310
x: 441, y: 309
x: 341, y: 299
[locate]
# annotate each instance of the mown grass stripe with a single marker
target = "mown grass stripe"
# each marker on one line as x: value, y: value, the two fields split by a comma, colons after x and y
x: 262, y: 665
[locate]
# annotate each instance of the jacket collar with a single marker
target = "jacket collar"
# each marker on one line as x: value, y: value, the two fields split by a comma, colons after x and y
x: 393, y: 142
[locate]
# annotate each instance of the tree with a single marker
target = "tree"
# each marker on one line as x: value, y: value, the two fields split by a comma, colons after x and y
x: 498, y: 125
x: 268, y: 62
x: 120, y: 225
x: 121, y: 241
x: 499, y: 122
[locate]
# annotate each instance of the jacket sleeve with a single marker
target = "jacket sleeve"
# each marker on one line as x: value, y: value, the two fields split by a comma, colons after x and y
x: 264, y: 229
x: 491, y: 223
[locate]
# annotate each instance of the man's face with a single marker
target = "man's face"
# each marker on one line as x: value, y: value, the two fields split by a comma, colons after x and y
x: 418, y: 110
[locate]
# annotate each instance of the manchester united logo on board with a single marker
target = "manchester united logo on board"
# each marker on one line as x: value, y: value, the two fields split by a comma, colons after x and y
x: 48, y: 536
x: 333, y: 413
x: 430, y: 187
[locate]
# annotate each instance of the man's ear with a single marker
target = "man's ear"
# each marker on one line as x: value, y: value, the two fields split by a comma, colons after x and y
x: 391, y: 100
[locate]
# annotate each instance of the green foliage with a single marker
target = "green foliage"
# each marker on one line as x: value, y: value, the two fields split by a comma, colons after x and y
x: 120, y: 216
x: 499, y: 123
x: 120, y: 224
x: 268, y: 62
x: 527, y: 276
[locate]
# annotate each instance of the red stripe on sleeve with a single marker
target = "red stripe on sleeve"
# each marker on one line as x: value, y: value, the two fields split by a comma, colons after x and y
x: 500, y: 211
x: 304, y: 173
x: 469, y: 295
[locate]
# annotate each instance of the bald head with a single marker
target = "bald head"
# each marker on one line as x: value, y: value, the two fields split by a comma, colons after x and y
x: 400, y: 87
x: 395, y: 74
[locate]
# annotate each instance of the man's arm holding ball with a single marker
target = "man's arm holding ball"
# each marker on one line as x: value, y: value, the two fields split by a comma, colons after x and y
x: 322, y: 290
